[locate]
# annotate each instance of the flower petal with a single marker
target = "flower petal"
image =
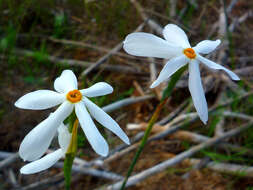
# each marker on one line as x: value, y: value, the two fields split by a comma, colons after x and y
x: 43, y: 163
x: 39, y: 100
x: 105, y: 120
x: 64, y: 137
x: 176, y: 36
x: 216, y: 66
x: 37, y: 141
x: 169, y: 69
x: 66, y: 82
x: 98, y: 89
x: 94, y: 137
x: 206, y: 46
x: 149, y: 45
x: 197, y: 92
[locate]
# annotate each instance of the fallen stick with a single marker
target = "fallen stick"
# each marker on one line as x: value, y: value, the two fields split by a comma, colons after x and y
x: 240, y: 20
x: 231, y: 169
x: 93, y: 172
x: 79, y: 169
x: 72, y: 62
x: 109, y: 54
x: 196, y: 166
x: 151, y: 23
x: 128, y: 101
x: 12, y: 178
x: 163, y: 134
x: 171, y: 20
x: 86, y: 45
x: 9, y: 160
x: 123, y: 149
x: 173, y: 8
x: 186, y: 154
x: 231, y: 6
x: 198, y: 138
x: 44, y: 183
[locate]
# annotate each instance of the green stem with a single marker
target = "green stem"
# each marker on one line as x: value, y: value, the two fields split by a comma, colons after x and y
x: 167, y: 92
x: 144, y: 139
x: 70, y: 156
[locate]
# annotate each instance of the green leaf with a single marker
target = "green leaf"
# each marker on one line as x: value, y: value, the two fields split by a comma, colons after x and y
x: 173, y: 81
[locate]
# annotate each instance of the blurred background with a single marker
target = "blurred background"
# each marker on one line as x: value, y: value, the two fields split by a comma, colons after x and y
x: 39, y: 39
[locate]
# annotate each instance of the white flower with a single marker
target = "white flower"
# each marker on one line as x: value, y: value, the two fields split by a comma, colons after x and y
x: 38, y: 140
x: 177, y: 48
x: 50, y: 159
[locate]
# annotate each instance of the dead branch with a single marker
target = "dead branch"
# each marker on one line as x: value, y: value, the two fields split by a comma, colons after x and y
x: 231, y: 6
x: 72, y: 62
x: 240, y: 20
x: 198, y: 138
x: 125, y: 102
x: 164, y: 132
x: 12, y: 178
x: 173, y: 6
x: 44, y: 183
x: 151, y: 23
x: 109, y: 54
x: 186, y: 154
x: 93, y: 172
x: 231, y: 169
x: 196, y: 166
x: 9, y: 160
x: 87, y: 45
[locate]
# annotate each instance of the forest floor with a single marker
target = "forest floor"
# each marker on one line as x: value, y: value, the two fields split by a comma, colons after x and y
x: 39, y: 39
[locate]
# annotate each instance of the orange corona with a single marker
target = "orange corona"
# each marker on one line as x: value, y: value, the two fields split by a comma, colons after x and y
x: 74, y: 96
x: 190, y: 53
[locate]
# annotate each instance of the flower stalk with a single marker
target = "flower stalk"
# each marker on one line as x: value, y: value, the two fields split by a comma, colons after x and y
x: 167, y: 92
x: 70, y: 155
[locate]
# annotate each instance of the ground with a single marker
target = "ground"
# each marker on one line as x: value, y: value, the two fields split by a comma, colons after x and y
x: 93, y: 28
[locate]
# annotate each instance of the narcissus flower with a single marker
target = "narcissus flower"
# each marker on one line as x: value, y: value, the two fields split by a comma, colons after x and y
x: 178, y: 50
x: 38, y: 140
x: 50, y: 159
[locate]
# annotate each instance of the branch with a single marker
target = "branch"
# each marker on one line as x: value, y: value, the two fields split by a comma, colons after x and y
x: 125, y: 102
x: 9, y: 160
x: 151, y: 23
x: 109, y: 54
x: 232, y: 169
x: 162, y: 166
x: 93, y: 172
x: 72, y: 62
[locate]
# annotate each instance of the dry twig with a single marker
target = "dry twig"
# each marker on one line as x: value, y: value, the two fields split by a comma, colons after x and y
x: 109, y: 54
x: 9, y: 160
x: 72, y: 62
x: 186, y: 154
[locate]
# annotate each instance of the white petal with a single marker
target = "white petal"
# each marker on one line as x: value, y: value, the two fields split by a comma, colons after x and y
x: 39, y: 100
x: 206, y: 46
x: 149, y: 45
x: 105, y: 120
x: 94, y: 137
x: 43, y: 163
x: 197, y: 92
x: 98, y: 89
x: 37, y: 141
x: 64, y: 137
x: 169, y: 69
x: 176, y: 36
x: 215, y: 66
x: 66, y: 82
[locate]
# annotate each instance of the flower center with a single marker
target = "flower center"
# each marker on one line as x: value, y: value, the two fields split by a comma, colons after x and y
x: 74, y: 96
x: 190, y: 53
